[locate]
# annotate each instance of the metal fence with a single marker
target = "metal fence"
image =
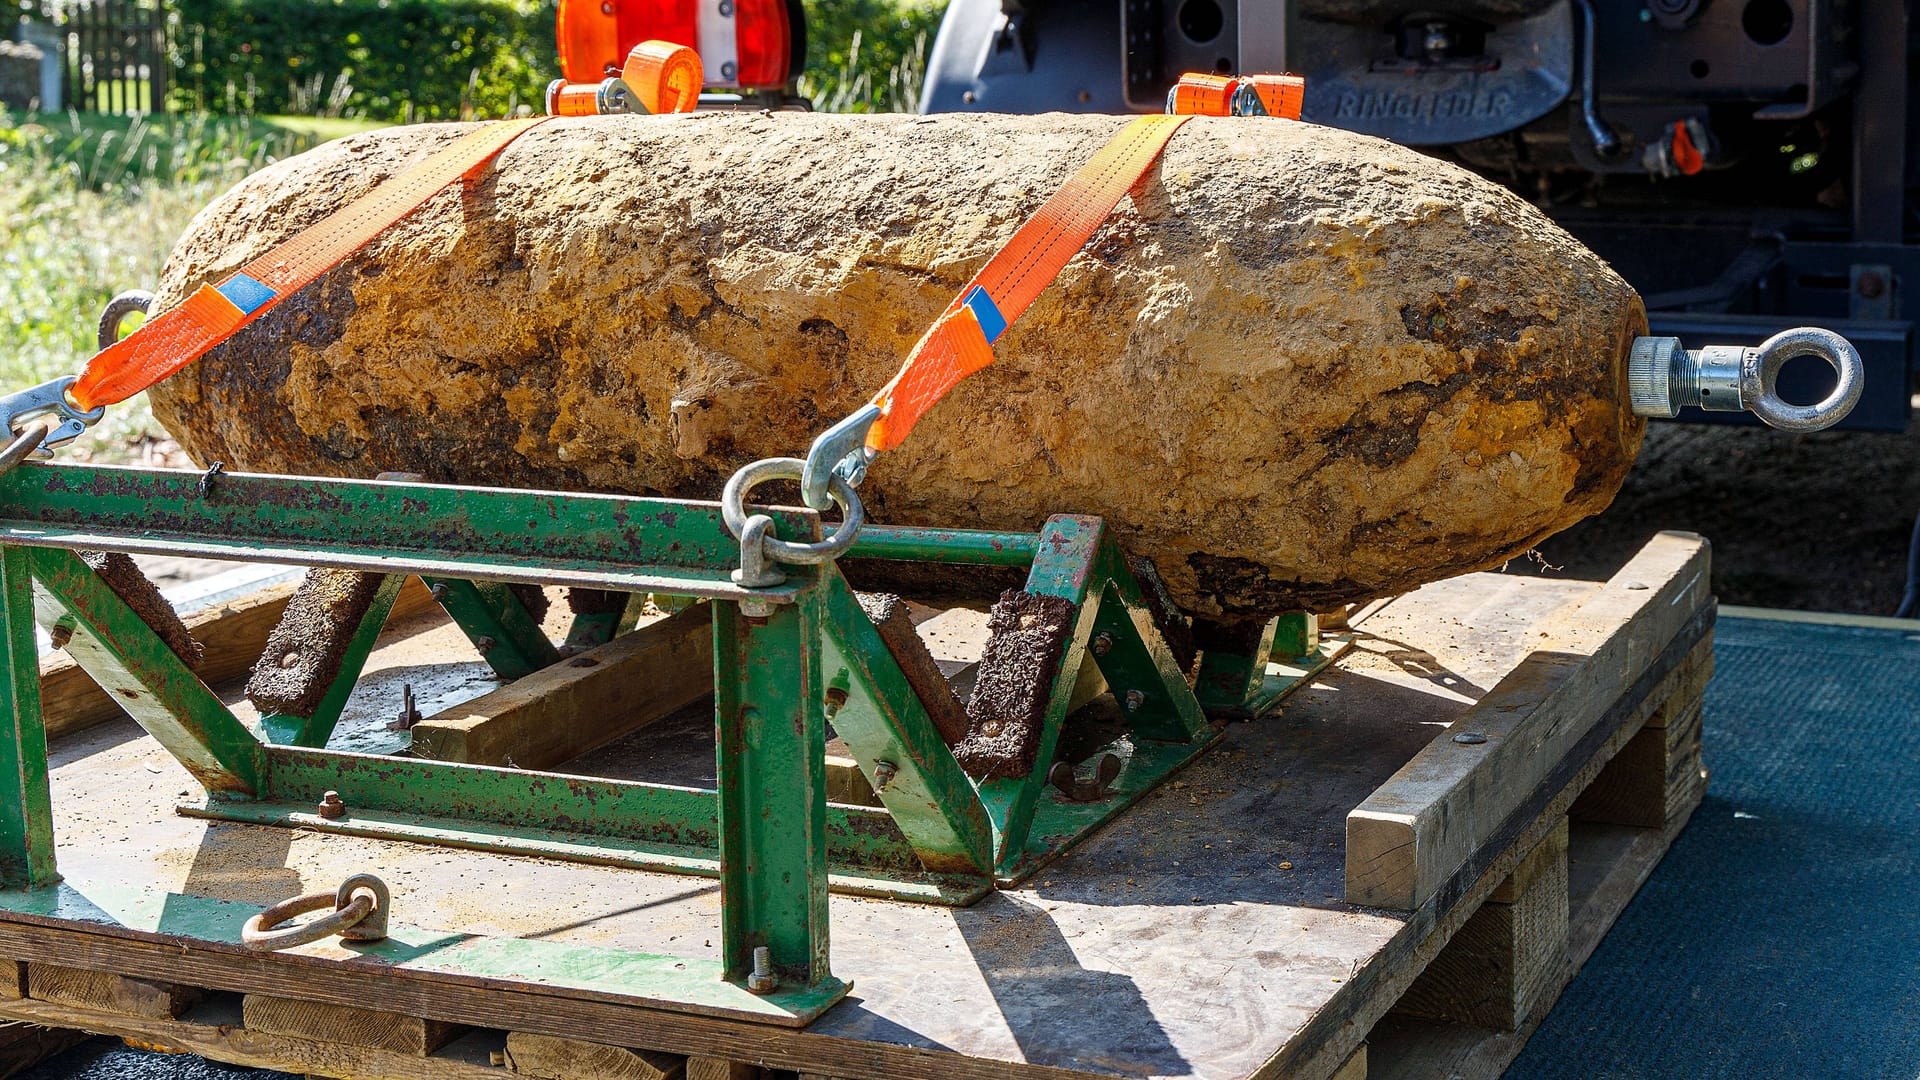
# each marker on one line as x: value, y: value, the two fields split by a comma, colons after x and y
x: 116, y: 56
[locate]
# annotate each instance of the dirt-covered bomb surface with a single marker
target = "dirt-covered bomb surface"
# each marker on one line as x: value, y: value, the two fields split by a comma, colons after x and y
x: 1298, y: 367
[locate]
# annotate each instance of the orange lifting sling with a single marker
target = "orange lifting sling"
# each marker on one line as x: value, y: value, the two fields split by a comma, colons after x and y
x: 960, y: 342
x: 664, y: 77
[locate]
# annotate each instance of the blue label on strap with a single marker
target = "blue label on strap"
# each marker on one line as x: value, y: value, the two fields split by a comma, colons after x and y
x: 986, y: 313
x: 245, y: 293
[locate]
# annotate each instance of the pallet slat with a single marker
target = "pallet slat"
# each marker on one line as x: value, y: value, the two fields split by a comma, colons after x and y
x: 373, y: 1028
x: 551, y: 1058
x: 1419, y: 828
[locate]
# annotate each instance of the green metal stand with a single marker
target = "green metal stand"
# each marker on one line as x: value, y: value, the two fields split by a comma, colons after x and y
x: 766, y: 830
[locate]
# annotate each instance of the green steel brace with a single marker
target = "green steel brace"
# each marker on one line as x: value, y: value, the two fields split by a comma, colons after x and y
x: 507, y: 635
x: 314, y: 730
x: 591, y: 628
x: 772, y: 732
x: 153, y: 685
x: 26, y: 802
x: 1076, y: 558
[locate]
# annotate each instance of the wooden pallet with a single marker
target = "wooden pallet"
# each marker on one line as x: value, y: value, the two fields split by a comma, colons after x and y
x: 1395, y: 876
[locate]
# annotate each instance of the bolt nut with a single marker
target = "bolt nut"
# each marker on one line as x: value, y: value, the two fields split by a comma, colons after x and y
x: 1134, y: 700
x: 728, y: 70
x: 60, y: 635
x: 836, y: 699
x: 1469, y: 738
x: 331, y: 807
x: 438, y: 592
x: 1102, y: 644
x: 883, y: 774
x: 761, y: 980
x: 484, y: 644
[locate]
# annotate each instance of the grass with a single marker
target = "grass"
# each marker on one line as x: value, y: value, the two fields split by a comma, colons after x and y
x: 90, y: 205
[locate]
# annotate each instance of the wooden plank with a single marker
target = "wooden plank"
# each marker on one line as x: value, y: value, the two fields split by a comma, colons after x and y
x: 706, y: 1068
x: 381, y: 1030
x: 496, y: 1006
x: 846, y: 784
x: 552, y: 1058
x: 13, y: 980
x: 1420, y: 827
x: 558, y: 713
x: 108, y: 991
x: 233, y: 633
x: 1493, y: 970
x: 221, y: 1037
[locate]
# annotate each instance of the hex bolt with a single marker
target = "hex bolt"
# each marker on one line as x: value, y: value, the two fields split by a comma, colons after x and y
x: 726, y: 9
x: 728, y: 70
x: 883, y: 774
x: 484, y: 643
x: 1102, y: 644
x: 60, y: 635
x: 332, y: 807
x: 438, y: 592
x: 761, y: 981
x: 1134, y: 700
x: 836, y: 698
x: 1469, y: 738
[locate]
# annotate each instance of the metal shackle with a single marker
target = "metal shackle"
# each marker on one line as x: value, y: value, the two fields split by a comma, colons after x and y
x: 1663, y: 375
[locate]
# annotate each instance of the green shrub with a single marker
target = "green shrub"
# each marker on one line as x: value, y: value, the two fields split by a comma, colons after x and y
x: 868, y: 55
x: 388, y: 59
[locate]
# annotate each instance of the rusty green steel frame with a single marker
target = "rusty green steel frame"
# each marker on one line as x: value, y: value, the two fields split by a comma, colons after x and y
x: 785, y: 657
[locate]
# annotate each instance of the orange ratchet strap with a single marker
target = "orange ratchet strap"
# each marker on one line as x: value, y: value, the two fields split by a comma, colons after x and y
x: 665, y: 77
x: 1200, y: 94
x: 178, y: 337
x: 960, y: 342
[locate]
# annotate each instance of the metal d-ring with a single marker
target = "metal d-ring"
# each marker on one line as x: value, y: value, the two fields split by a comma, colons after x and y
x: 733, y: 511
x: 1761, y: 373
x: 359, y: 913
x: 116, y: 312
